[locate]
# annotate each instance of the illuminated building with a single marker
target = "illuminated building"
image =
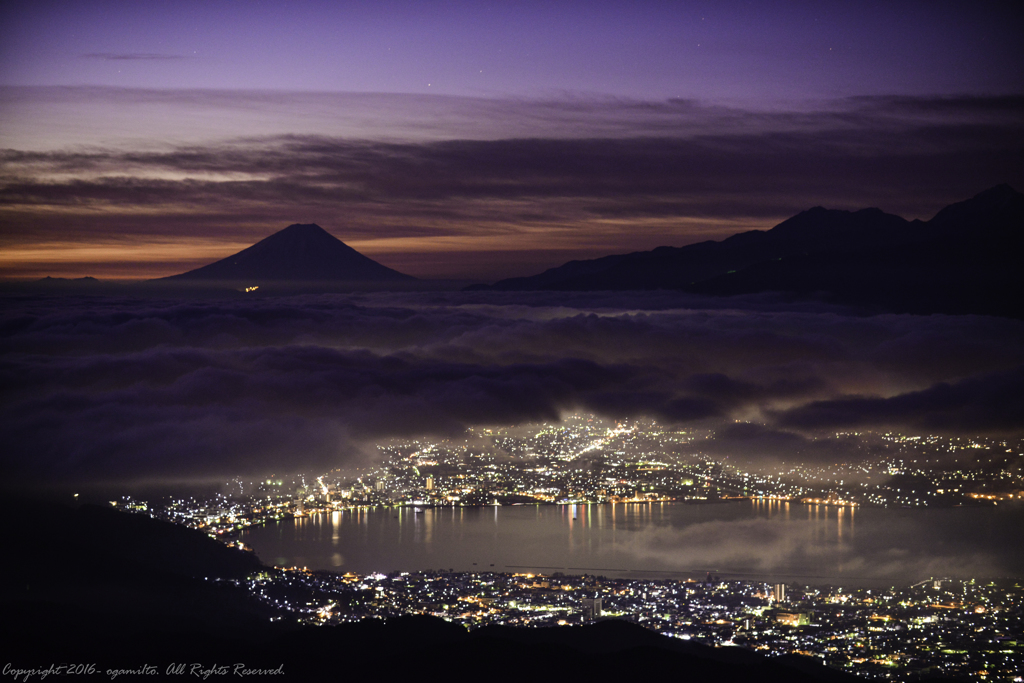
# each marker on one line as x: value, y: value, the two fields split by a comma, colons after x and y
x: 793, y: 618
x: 591, y: 608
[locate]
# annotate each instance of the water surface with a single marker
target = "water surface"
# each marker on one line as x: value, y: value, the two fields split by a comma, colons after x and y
x: 740, y: 539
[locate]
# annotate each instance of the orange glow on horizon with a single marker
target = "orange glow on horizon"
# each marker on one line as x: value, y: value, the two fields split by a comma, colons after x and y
x: 487, y: 251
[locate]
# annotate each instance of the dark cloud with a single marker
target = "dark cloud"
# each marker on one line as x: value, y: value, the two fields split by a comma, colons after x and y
x: 132, y: 388
x: 186, y: 414
x: 704, y: 176
x: 990, y: 404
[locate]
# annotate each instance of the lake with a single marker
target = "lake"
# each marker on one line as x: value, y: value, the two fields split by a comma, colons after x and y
x: 757, y: 540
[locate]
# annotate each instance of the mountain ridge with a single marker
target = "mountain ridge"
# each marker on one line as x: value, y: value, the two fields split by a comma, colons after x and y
x: 300, y: 253
x: 960, y: 261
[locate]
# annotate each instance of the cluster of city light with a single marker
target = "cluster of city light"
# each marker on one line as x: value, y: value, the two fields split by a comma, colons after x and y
x: 938, y: 627
x: 635, y: 462
x: 925, y: 629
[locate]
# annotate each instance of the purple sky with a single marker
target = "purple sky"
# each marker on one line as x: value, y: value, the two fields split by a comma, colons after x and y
x: 143, y: 139
x: 754, y: 52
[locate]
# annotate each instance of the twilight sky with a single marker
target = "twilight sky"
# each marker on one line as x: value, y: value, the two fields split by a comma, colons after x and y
x: 484, y: 140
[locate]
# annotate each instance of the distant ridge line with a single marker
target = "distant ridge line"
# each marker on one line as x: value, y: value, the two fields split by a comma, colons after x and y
x: 965, y: 260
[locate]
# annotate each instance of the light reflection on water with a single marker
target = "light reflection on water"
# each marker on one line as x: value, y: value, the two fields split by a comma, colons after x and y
x: 756, y: 539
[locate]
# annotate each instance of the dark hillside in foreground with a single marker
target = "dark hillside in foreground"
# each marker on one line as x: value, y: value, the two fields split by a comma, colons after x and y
x: 122, y: 591
x: 121, y: 571
x: 964, y: 260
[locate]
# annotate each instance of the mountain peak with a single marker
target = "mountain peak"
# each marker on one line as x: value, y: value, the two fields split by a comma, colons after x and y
x: 304, y: 229
x: 300, y: 253
x: 992, y: 203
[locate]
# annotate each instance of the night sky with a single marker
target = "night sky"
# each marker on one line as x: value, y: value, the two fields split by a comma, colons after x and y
x: 484, y: 140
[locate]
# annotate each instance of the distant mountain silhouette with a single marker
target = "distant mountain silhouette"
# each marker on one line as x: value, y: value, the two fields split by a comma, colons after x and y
x: 301, y: 253
x: 86, y: 279
x: 964, y: 260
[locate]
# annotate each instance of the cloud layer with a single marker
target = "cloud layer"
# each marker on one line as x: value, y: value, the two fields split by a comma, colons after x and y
x: 133, y: 389
x: 507, y: 188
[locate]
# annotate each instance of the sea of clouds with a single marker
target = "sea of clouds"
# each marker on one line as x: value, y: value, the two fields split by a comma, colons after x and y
x: 123, y: 388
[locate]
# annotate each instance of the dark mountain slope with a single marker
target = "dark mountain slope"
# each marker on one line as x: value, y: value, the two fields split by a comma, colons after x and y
x: 816, y: 229
x: 299, y: 253
x: 964, y: 260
